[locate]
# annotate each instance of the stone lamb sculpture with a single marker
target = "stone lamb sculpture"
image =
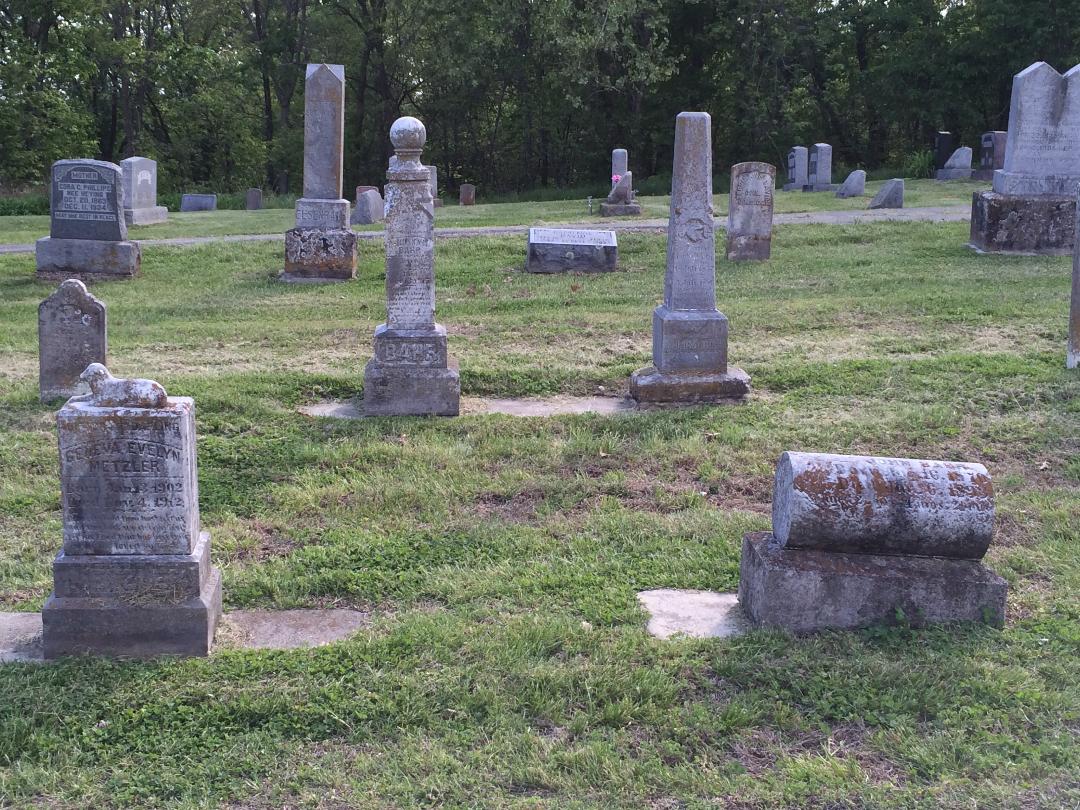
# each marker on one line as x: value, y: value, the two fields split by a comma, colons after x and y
x: 108, y: 391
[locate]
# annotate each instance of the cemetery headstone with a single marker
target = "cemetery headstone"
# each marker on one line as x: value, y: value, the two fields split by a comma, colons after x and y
x: 890, y: 195
x: 797, y: 162
x: 621, y: 201
x: 1032, y: 205
x: 563, y: 250
x: 991, y: 154
x: 435, y: 187
x: 369, y: 208
x: 620, y: 164
x: 819, y: 168
x: 853, y: 186
x: 410, y: 373
x: 943, y: 148
x: 71, y: 335
x: 322, y: 246
x: 1072, y: 355
x: 750, y: 211
x: 87, y: 232
x: 140, y: 192
x: 134, y: 576
x: 253, y: 200
x: 957, y: 167
x: 467, y: 194
x: 858, y: 539
x: 690, y: 357
x: 198, y: 202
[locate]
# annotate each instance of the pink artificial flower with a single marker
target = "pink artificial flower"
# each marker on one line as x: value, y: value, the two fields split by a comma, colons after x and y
x: 615, y: 178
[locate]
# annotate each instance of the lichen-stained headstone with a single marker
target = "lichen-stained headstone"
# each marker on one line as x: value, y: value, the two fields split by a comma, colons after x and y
x: 750, y: 211
x: 324, y: 131
x: 72, y: 334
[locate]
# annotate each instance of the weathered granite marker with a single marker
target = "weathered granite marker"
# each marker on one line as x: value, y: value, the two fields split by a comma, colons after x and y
x: 991, y: 154
x: 87, y: 232
x: 796, y: 169
x: 859, y: 540
x: 890, y: 195
x: 198, y: 202
x: 750, y: 211
x: 819, y: 168
x: 369, y: 208
x: 957, y: 167
x: 621, y: 200
x: 1072, y: 356
x: 410, y: 373
x: 854, y: 186
x: 322, y: 246
x: 72, y: 334
x: 564, y: 250
x: 134, y: 577
x: 140, y: 192
x: 689, y: 333
x: 620, y: 164
x: 467, y: 194
x: 943, y: 147
x: 1032, y: 206
x: 253, y: 199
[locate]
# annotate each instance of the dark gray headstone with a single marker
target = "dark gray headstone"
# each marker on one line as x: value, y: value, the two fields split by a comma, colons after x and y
x: 943, y: 148
x: 87, y: 201
x: 958, y: 166
x: 198, y: 202
x: 72, y: 334
x: 467, y: 194
x: 891, y: 195
x: 253, y: 200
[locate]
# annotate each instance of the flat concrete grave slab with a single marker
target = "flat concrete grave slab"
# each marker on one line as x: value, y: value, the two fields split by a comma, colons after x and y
x: 20, y: 633
x: 526, y: 406
x: 696, y: 614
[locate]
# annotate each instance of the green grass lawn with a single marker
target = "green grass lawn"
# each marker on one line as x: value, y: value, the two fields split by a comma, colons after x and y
x: 508, y: 664
x: 25, y: 229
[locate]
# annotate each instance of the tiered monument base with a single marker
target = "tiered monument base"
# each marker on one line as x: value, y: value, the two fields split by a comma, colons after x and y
x: 86, y: 259
x: 804, y: 591
x: 411, y: 374
x: 1008, y: 223
x: 137, y: 606
x: 649, y: 384
x: 146, y: 216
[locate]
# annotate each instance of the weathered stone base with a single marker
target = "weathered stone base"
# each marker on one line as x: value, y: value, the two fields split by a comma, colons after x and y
x: 547, y: 257
x: 620, y: 209
x: 820, y: 187
x: 86, y: 259
x: 983, y: 175
x: 952, y: 174
x: 806, y: 591
x: 133, y: 606
x: 146, y: 216
x: 651, y: 385
x: 314, y: 255
x: 748, y: 248
x: 411, y: 390
x: 689, y: 340
x: 1002, y: 223
x: 792, y: 187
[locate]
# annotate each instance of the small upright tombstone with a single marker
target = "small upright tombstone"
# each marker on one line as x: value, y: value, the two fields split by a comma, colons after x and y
x: 140, y: 192
x: 621, y: 201
x: 957, y: 167
x: 1072, y: 355
x: 819, y: 168
x: 750, y: 211
x: 134, y: 577
x: 796, y: 169
x: 1032, y: 205
x: 410, y: 373
x: 943, y: 148
x: 198, y: 202
x: 72, y: 334
x: 369, y: 208
x: 253, y: 200
x: 322, y: 246
x: 436, y: 202
x: 854, y: 186
x: 991, y: 154
x: 620, y: 165
x: 467, y: 194
x: 565, y: 250
x: 690, y: 358
x: 891, y: 195
x: 87, y: 232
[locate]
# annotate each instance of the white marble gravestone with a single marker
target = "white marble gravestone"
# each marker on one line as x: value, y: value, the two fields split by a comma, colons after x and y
x: 140, y: 192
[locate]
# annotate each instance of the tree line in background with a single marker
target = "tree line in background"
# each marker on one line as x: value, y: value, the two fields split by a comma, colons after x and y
x: 515, y: 94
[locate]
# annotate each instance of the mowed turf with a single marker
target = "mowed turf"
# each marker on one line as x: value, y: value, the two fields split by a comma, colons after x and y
x: 508, y: 665
x: 919, y: 193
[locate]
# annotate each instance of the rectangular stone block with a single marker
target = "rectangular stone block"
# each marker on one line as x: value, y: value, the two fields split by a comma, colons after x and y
x: 116, y: 627
x: 127, y: 478
x: 411, y: 390
x: 86, y: 201
x: 146, y: 216
x: 565, y: 250
x: 632, y: 209
x: 805, y: 591
x: 649, y: 384
x: 1033, y: 224
x: 689, y: 340
x: 327, y: 214
x: 315, y: 254
x: 411, y: 347
x: 134, y: 579
x: 86, y: 259
x: 198, y: 202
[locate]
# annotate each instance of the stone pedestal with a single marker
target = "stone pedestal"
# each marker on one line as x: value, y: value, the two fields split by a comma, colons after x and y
x: 146, y: 216
x: 134, y: 576
x: 411, y: 374
x: 805, y: 591
x: 1006, y: 223
x: 620, y: 209
x: 86, y: 259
